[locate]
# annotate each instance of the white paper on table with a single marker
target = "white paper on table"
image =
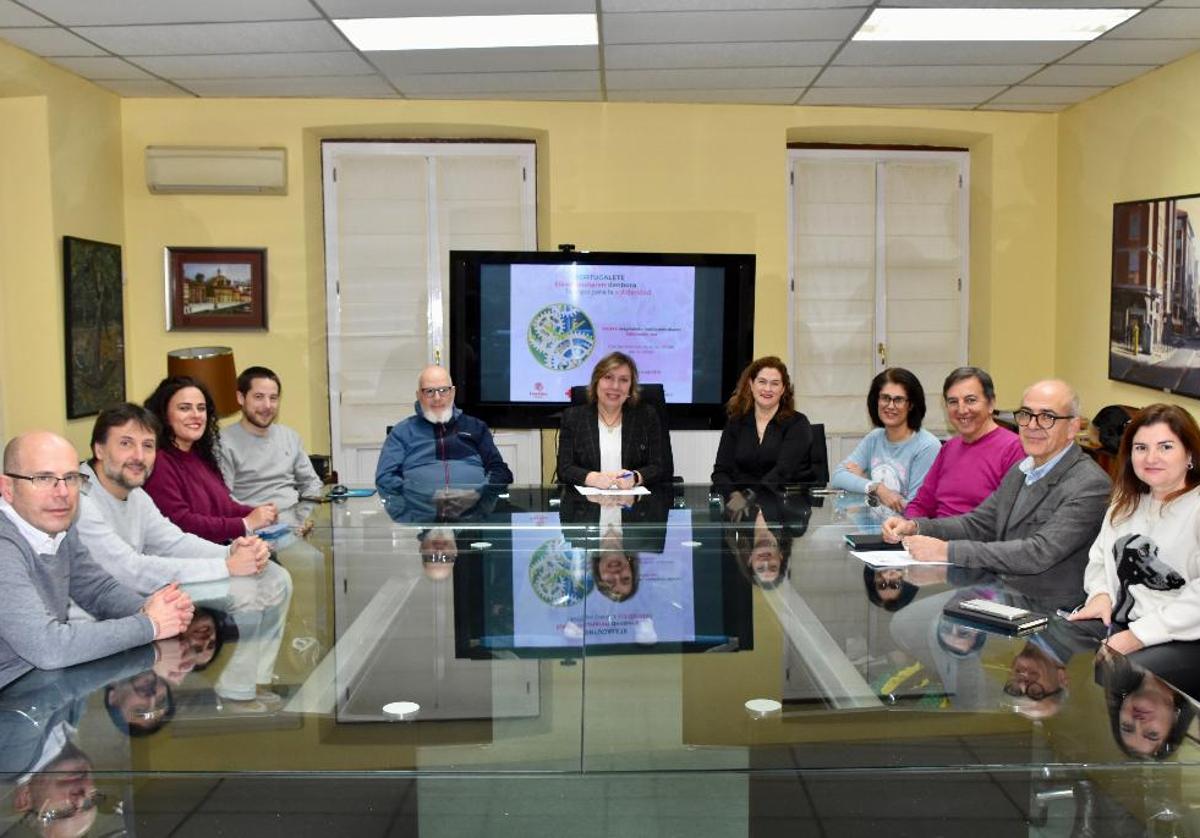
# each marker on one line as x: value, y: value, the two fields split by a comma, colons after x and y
x: 889, y: 558
x: 636, y: 490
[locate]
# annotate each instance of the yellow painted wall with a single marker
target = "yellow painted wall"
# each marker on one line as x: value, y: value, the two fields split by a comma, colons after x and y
x: 611, y: 176
x: 61, y: 173
x: 1138, y: 141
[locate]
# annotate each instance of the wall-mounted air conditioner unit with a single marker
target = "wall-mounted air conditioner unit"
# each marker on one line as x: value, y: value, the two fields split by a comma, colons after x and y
x: 216, y: 170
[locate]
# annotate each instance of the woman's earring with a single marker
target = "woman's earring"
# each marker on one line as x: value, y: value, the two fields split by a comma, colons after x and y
x: 1191, y: 465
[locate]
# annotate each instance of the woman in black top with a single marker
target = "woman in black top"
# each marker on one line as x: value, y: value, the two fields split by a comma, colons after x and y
x: 613, y: 441
x: 765, y: 442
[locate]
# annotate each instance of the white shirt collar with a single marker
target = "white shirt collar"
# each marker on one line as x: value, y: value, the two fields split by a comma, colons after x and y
x: 1034, y: 474
x: 42, y: 544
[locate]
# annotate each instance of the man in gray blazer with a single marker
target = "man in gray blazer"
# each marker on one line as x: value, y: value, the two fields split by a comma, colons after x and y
x: 1042, y: 518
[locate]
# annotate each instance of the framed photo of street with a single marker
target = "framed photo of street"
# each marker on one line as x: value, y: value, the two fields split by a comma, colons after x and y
x: 94, y: 321
x: 1154, y: 320
x: 216, y: 288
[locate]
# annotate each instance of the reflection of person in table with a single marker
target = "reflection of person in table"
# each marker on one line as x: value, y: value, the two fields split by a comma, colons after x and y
x: 615, y: 570
x: 61, y: 799
x: 142, y: 704
x: 439, y: 550
x: 887, y: 587
x: 1147, y: 716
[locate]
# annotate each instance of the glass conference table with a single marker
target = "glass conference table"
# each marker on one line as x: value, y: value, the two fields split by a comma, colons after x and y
x: 536, y: 662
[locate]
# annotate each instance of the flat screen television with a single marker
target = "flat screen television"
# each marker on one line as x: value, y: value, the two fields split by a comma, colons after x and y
x: 527, y: 326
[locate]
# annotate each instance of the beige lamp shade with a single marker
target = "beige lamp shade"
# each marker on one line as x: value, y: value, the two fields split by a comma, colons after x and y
x: 212, y: 365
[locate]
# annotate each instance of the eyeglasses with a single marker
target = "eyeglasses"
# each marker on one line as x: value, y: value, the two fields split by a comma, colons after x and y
x: 888, y: 585
x: 1045, y: 420
x: 47, y: 482
x: 894, y: 401
x: 430, y: 392
x: 52, y: 812
x: 1029, y: 689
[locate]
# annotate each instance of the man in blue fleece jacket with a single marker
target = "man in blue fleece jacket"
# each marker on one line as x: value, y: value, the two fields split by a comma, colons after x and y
x: 439, y: 445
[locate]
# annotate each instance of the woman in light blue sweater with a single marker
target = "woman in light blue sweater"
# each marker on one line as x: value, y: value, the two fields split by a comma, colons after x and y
x: 891, y: 461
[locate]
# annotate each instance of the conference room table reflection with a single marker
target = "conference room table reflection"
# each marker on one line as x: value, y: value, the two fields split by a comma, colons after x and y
x: 521, y: 659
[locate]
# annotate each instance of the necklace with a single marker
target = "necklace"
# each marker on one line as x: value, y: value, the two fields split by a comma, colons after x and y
x: 613, y: 425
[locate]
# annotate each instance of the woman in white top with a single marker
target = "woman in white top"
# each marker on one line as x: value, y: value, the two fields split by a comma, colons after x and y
x: 1150, y: 540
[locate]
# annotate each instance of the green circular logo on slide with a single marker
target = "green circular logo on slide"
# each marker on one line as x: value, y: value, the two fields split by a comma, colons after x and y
x: 561, y: 337
x: 558, y: 573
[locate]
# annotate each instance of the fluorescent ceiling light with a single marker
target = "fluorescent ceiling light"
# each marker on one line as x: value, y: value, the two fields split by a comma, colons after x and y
x: 470, y: 32
x: 990, y: 24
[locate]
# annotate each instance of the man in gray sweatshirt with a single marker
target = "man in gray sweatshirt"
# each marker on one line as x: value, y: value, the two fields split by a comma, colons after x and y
x: 261, y: 460
x: 123, y: 529
x: 44, y: 565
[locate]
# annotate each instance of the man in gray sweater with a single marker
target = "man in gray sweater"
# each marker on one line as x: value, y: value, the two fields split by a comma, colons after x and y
x: 123, y: 529
x: 44, y: 565
x: 261, y: 460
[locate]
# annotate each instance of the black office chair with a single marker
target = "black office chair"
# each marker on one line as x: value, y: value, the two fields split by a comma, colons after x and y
x: 656, y: 397
x: 818, y: 455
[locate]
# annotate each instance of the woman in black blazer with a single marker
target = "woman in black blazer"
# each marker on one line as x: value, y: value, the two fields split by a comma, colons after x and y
x: 614, y: 411
x: 765, y: 442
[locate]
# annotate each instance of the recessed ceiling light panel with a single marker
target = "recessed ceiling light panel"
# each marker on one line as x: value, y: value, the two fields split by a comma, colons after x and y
x: 381, y: 34
x: 990, y: 24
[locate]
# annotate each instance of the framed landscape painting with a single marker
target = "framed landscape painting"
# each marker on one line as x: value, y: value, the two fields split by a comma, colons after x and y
x: 94, y: 326
x: 1154, y: 320
x: 216, y: 288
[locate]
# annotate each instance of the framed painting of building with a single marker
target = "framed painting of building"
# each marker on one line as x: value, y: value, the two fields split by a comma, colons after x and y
x: 216, y: 288
x: 1154, y: 321
x: 94, y: 326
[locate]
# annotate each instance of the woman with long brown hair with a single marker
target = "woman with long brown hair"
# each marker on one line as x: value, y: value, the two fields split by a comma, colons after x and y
x: 1150, y: 544
x: 765, y: 441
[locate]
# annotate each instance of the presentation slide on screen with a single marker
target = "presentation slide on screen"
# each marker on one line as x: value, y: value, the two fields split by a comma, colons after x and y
x: 556, y: 602
x: 570, y: 316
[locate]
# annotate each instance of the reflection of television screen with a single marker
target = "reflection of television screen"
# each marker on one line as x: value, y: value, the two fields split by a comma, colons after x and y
x: 526, y: 327
x: 543, y: 597
x: 1154, y: 321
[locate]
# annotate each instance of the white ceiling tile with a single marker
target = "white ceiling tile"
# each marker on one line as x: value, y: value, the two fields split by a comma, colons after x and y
x: 948, y: 95
x: 101, y: 67
x: 440, y: 8
x: 619, y: 6
x: 520, y: 95
x: 1031, y: 95
x: 724, y: 79
x: 1159, y: 23
x: 497, y: 82
x: 682, y: 56
x: 507, y: 59
x: 690, y: 27
x: 1024, y: 4
x: 115, y: 12
x: 272, y: 65
x: 13, y: 15
x: 947, y: 53
x: 1106, y: 75
x: 1133, y: 52
x: 999, y: 106
x: 340, y: 86
x: 770, y: 96
x: 925, y: 76
x: 216, y: 38
x: 147, y: 87
x: 49, y: 41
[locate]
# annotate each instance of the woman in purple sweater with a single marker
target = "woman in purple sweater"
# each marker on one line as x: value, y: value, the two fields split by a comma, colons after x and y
x: 970, y: 466
x: 185, y: 482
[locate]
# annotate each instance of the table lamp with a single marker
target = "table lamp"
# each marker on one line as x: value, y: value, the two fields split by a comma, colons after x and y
x: 212, y: 365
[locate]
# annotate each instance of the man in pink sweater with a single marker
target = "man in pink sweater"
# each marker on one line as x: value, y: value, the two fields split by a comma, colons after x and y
x: 971, y: 465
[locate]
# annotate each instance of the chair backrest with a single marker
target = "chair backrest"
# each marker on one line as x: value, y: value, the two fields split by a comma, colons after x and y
x: 655, y: 396
x: 818, y: 454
